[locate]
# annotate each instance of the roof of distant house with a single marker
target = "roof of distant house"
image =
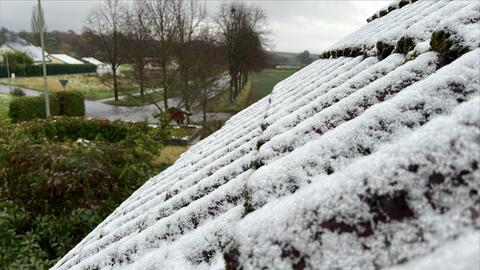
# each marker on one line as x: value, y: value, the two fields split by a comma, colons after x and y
x: 67, y: 59
x: 365, y: 159
x: 93, y: 60
x: 23, y: 46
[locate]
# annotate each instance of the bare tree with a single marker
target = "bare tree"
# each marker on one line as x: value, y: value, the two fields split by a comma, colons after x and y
x: 188, y: 17
x: 138, y: 40
x: 208, y: 63
x: 161, y: 16
x: 37, y: 24
x: 243, y: 31
x: 105, y: 22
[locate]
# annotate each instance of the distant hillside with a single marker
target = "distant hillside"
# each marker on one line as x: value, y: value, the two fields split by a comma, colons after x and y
x: 287, y: 58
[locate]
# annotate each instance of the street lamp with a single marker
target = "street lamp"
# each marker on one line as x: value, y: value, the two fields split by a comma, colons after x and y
x: 8, y: 73
x: 47, y: 102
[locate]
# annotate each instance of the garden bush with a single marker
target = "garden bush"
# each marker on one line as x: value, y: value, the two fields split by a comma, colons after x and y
x: 68, y: 128
x: 54, y: 189
x: 70, y: 103
x: 17, y: 92
x: 64, y: 103
x: 28, y: 108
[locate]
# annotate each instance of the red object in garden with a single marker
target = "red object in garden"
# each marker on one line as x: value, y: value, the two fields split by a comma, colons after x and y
x: 177, y: 115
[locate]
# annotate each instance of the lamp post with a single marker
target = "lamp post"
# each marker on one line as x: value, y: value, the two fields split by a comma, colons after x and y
x: 47, y: 102
x: 8, y: 74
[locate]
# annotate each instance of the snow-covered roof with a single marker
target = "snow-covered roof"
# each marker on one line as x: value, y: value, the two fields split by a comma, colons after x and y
x: 93, y: 60
x: 65, y: 58
x: 418, y: 21
x: 366, y: 162
x: 31, y: 50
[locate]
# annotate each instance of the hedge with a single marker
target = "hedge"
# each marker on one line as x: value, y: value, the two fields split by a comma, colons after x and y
x: 3, y: 71
x: 27, y: 108
x: 52, y: 69
x: 70, y: 103
x: 62, y: 129
x: 65, y: 103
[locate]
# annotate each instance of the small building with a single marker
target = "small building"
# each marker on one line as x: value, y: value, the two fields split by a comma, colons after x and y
x: 64, y: 59
x: 102, y: 68
x: 20, y: 45
x: 94, y: 61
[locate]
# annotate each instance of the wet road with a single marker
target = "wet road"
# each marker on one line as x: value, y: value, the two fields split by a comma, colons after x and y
x: 99, y: 110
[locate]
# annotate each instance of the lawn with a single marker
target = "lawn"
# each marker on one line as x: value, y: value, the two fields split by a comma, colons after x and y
x: 89, y: 85
x: 4, y: 101
x: 263, y: 82
x: 170, y: 153
x: 259, y: 85
x: 221, y: 103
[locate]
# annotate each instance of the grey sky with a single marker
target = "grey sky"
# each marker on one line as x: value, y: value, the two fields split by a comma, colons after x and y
x: 295, y: 25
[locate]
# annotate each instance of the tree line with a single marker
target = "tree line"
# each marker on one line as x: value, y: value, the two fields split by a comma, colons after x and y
x: 178, y: 39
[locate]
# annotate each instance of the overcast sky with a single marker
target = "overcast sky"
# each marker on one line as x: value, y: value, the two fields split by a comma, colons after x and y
x: 296, y: 25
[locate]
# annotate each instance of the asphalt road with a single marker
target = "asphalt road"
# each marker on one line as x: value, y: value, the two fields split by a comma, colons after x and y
x: 99, y: 110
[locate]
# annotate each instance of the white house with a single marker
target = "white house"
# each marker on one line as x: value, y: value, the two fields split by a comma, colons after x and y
x: 101, y: 67
x: 93, y: 61
x: 21, y: 45
x: 64, y: 59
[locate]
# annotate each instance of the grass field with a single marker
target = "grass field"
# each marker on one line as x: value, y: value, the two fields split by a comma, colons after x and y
x: 89, y: 84
x: 221, y: 103
x: 263, y: 82
x: 170, y: 153
x: 4, y: 101
x: 259, y: 85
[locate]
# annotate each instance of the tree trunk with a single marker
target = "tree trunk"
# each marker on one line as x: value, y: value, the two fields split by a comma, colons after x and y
x: 187, y: 95
x: 245, y: 78
x: 204, y: 109
x: 240, y: 82
x: 235, y: 87
x: 165, y: 93
x: 232, y: 87
x: 142, y: 82
x: 115, y: 81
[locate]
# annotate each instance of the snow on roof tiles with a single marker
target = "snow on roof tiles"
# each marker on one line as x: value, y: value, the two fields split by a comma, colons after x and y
x: 67, y: 59
x: 350, y: 163
x: 93, y: 60
x: 22, y: 46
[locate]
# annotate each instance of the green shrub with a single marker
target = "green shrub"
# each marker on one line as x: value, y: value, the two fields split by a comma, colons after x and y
x: 28, y: 108
x: 67, y: 128
x: 17, y: 92
x: 55, y: 187
x: 64, y: 103
x: 71, y: 103
x: 18, y: 62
